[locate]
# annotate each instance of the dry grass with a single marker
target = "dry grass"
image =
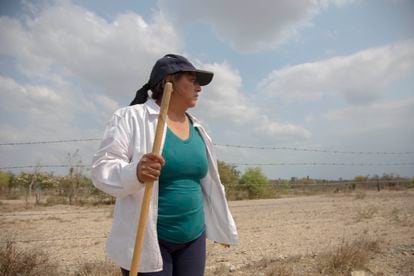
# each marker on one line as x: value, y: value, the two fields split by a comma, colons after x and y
x: 279, y: 267
x: 366, y: 213
x: 14, y: 261
x: 274, y: 267
x: 55, y: 219
x: 408, y: 267
x: 267, y: 266
x: 55, y: 200
x: 360, y: 194
x: 98, y: 269
x: 346, y: 259
x: 349, y: 256
x: 222, y: 270
x: 398, y: 217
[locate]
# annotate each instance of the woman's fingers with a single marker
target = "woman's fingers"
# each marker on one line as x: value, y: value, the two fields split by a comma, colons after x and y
x: 152, y: 169
x: 145, y: 177
x: 156, y: 158
x: 149, y: 167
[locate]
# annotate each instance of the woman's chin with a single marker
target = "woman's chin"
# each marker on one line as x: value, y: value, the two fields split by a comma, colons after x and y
x: 193, y: 103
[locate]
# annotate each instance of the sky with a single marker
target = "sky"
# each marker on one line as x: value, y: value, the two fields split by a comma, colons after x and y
x: 318, y: 88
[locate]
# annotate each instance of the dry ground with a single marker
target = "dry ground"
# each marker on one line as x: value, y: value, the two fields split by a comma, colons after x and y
x: 285, y: 236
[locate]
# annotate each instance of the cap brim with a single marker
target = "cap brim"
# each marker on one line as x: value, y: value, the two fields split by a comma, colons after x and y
x: 204, y: 77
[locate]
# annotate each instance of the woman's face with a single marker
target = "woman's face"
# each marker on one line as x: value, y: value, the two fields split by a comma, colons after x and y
x: 186, y: 89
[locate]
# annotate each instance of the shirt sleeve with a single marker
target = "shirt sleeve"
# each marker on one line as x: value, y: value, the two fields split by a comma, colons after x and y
x: 113, y: 170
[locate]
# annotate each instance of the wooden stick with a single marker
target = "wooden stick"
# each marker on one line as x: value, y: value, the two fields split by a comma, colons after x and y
x: 159, y: 133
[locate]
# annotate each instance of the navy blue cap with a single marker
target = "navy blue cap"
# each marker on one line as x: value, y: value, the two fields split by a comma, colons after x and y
x: 171, y: 63
x: 167, y: 65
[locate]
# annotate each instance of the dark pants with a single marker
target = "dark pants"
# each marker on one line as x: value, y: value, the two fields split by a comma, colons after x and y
x: 180, y: 259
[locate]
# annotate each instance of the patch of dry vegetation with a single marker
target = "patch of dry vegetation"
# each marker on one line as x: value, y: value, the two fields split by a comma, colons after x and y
x: 343, y: 260
x: 280, y: 267
x: 360, y: 194
x: 366, y: 213
x: 105, y: 268
x: 349, y: 256
x: 397, y: 216
x: 267, y: 266
x: 15, y: 261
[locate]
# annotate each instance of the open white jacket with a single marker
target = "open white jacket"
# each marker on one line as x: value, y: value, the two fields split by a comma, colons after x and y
x: 128, y: 135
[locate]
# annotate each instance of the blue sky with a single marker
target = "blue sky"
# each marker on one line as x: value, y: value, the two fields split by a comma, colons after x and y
x: 321, y: 74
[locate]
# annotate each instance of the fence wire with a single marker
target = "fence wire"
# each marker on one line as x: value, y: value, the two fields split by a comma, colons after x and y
x: 334, y: 151
x: 351, y: 164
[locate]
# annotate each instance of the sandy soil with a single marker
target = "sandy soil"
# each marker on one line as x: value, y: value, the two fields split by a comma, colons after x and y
x: 299, y: 229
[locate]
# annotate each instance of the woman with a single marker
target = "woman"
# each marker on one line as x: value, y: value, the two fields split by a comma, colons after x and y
x: 188, y: 203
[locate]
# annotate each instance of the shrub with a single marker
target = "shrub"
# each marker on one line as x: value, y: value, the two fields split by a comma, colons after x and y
x: 366, y: 213
x: 347, y: 257
x: 360, y: 195
x: 14, y: 261
x: 55, y: 200
x: 255, y: 182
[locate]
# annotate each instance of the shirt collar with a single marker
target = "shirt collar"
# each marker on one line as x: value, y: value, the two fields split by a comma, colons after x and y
x: 152, y: 107
x: 196, y: 122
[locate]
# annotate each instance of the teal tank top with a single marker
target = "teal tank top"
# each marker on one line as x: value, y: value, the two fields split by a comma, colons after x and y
x: 180, y: 201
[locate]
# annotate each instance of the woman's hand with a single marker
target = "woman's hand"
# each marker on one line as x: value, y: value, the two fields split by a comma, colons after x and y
x: 149, y: 167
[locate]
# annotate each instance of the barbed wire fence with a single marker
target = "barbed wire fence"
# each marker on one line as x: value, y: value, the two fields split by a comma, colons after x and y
x: 295, y: 149
x: 334, y: 151
x: 236, y: 164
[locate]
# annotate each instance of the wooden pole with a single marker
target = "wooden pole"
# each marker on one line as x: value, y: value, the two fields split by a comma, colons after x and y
x: 159, y: 133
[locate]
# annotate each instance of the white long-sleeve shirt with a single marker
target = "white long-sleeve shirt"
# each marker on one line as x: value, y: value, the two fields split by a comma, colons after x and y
x: 129, y: 135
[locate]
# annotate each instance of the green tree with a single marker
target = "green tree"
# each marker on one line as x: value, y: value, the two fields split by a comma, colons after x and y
x: 255, y: 182
x: 36, y: 182
x: 44, y: 182
x: 75, y: 182
x: 26, y: 181
x: 359, y: 179
x: 230, y: 177
x: 5, y: 180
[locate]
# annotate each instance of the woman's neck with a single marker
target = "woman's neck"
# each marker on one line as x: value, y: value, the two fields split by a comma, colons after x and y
x: 176, y: 111
x: 176, y: 114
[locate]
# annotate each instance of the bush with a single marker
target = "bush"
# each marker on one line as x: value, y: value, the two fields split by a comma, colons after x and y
x: 12, y: 196
x: 348, y: 257
x: 14, y: 261
x: 360, y: 195
x: 229, y: 177
x: 256, y: 183
x: 55, y: 200
x: 366, y: 213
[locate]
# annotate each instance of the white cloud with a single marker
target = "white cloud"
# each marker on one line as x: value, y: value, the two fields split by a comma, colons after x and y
x: 224, y: 103
x: 383, y: 115
x: 111, y: 57
x: 359, y: 78
x: 38, y: 113
x: 32, y: 103
x: 248, y: 25
x: 67, y: 68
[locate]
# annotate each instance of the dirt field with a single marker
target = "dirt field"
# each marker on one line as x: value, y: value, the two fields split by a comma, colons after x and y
x: 286, y: 236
